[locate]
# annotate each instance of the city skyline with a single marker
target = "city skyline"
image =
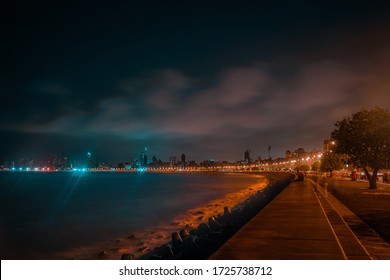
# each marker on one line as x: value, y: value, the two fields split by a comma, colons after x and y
x: 291, y: 160
x: 210, y: 80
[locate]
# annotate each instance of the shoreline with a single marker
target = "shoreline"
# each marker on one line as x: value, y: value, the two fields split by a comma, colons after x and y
x: 210, y: 200
x: 201, y: 242
x: 144, y: 243
x: 141, y: 242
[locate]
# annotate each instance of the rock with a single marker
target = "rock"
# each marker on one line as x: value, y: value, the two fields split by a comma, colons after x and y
x: 206, y: 245
x: 127, y: 257
x: 204, y: 229
x: 217, y: 237
x: 225, y: 218
x: 165, y: 252
x: 195, y: 232
x: 177, y: 243
x: 214, y: 225
x: 143, y: 249
x: 184, y: 234
x: 190, y: 249
x: 122, y: 250
x: 103, y: 254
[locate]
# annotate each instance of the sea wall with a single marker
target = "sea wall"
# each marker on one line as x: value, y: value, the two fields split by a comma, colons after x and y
x: 200, y: 242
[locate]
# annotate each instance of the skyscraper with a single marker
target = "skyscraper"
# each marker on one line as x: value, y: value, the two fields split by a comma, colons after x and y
x: 183, y: 158
x: 247, y: 158
x: 144, y: 158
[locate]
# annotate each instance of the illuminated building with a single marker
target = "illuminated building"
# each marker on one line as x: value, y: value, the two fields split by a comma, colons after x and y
x: 144, y: 158
x: 172, y: 161
x: 328, y: 145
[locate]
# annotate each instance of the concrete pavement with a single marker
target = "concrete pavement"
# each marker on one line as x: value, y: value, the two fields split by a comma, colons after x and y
x: 294, y: 226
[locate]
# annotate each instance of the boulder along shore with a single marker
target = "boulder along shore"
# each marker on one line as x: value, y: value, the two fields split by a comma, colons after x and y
x: 199, y: 242
x: 195, y: 234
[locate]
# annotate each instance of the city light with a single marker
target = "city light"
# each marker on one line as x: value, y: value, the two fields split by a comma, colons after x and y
x: 292, y: 161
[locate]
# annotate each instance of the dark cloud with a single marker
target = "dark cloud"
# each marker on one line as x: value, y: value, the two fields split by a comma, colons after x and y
x: 210, y: 81
x: 244, y: 107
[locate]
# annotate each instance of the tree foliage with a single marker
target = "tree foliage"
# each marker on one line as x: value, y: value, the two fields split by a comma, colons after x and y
x: 304, y: 167
x: 316, y: 166
x: 331, y: 162
x: 365, y: 139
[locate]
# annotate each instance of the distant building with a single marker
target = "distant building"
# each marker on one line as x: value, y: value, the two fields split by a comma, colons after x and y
x: 128, y: 165
x: 183, y: 158
x: 300, y: 152
x: 144, y: 158
x: 269, y: 153
x: 247, y: 158
x: 90, y: 162
x: 329, y: 145
x: 192, y: 163
x: 63, y: 164
x: 172, y: 160
x: 209, y: 162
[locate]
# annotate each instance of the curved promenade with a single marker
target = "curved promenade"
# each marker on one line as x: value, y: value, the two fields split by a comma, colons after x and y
x: 299, y: 224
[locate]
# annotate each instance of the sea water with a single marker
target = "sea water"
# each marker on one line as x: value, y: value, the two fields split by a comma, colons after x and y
x: 44, y: 214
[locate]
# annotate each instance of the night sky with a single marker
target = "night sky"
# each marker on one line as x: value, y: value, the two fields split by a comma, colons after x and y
x: 208, y: 79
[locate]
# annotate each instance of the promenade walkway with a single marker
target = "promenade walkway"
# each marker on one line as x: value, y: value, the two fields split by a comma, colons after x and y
x: 294, y: 226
